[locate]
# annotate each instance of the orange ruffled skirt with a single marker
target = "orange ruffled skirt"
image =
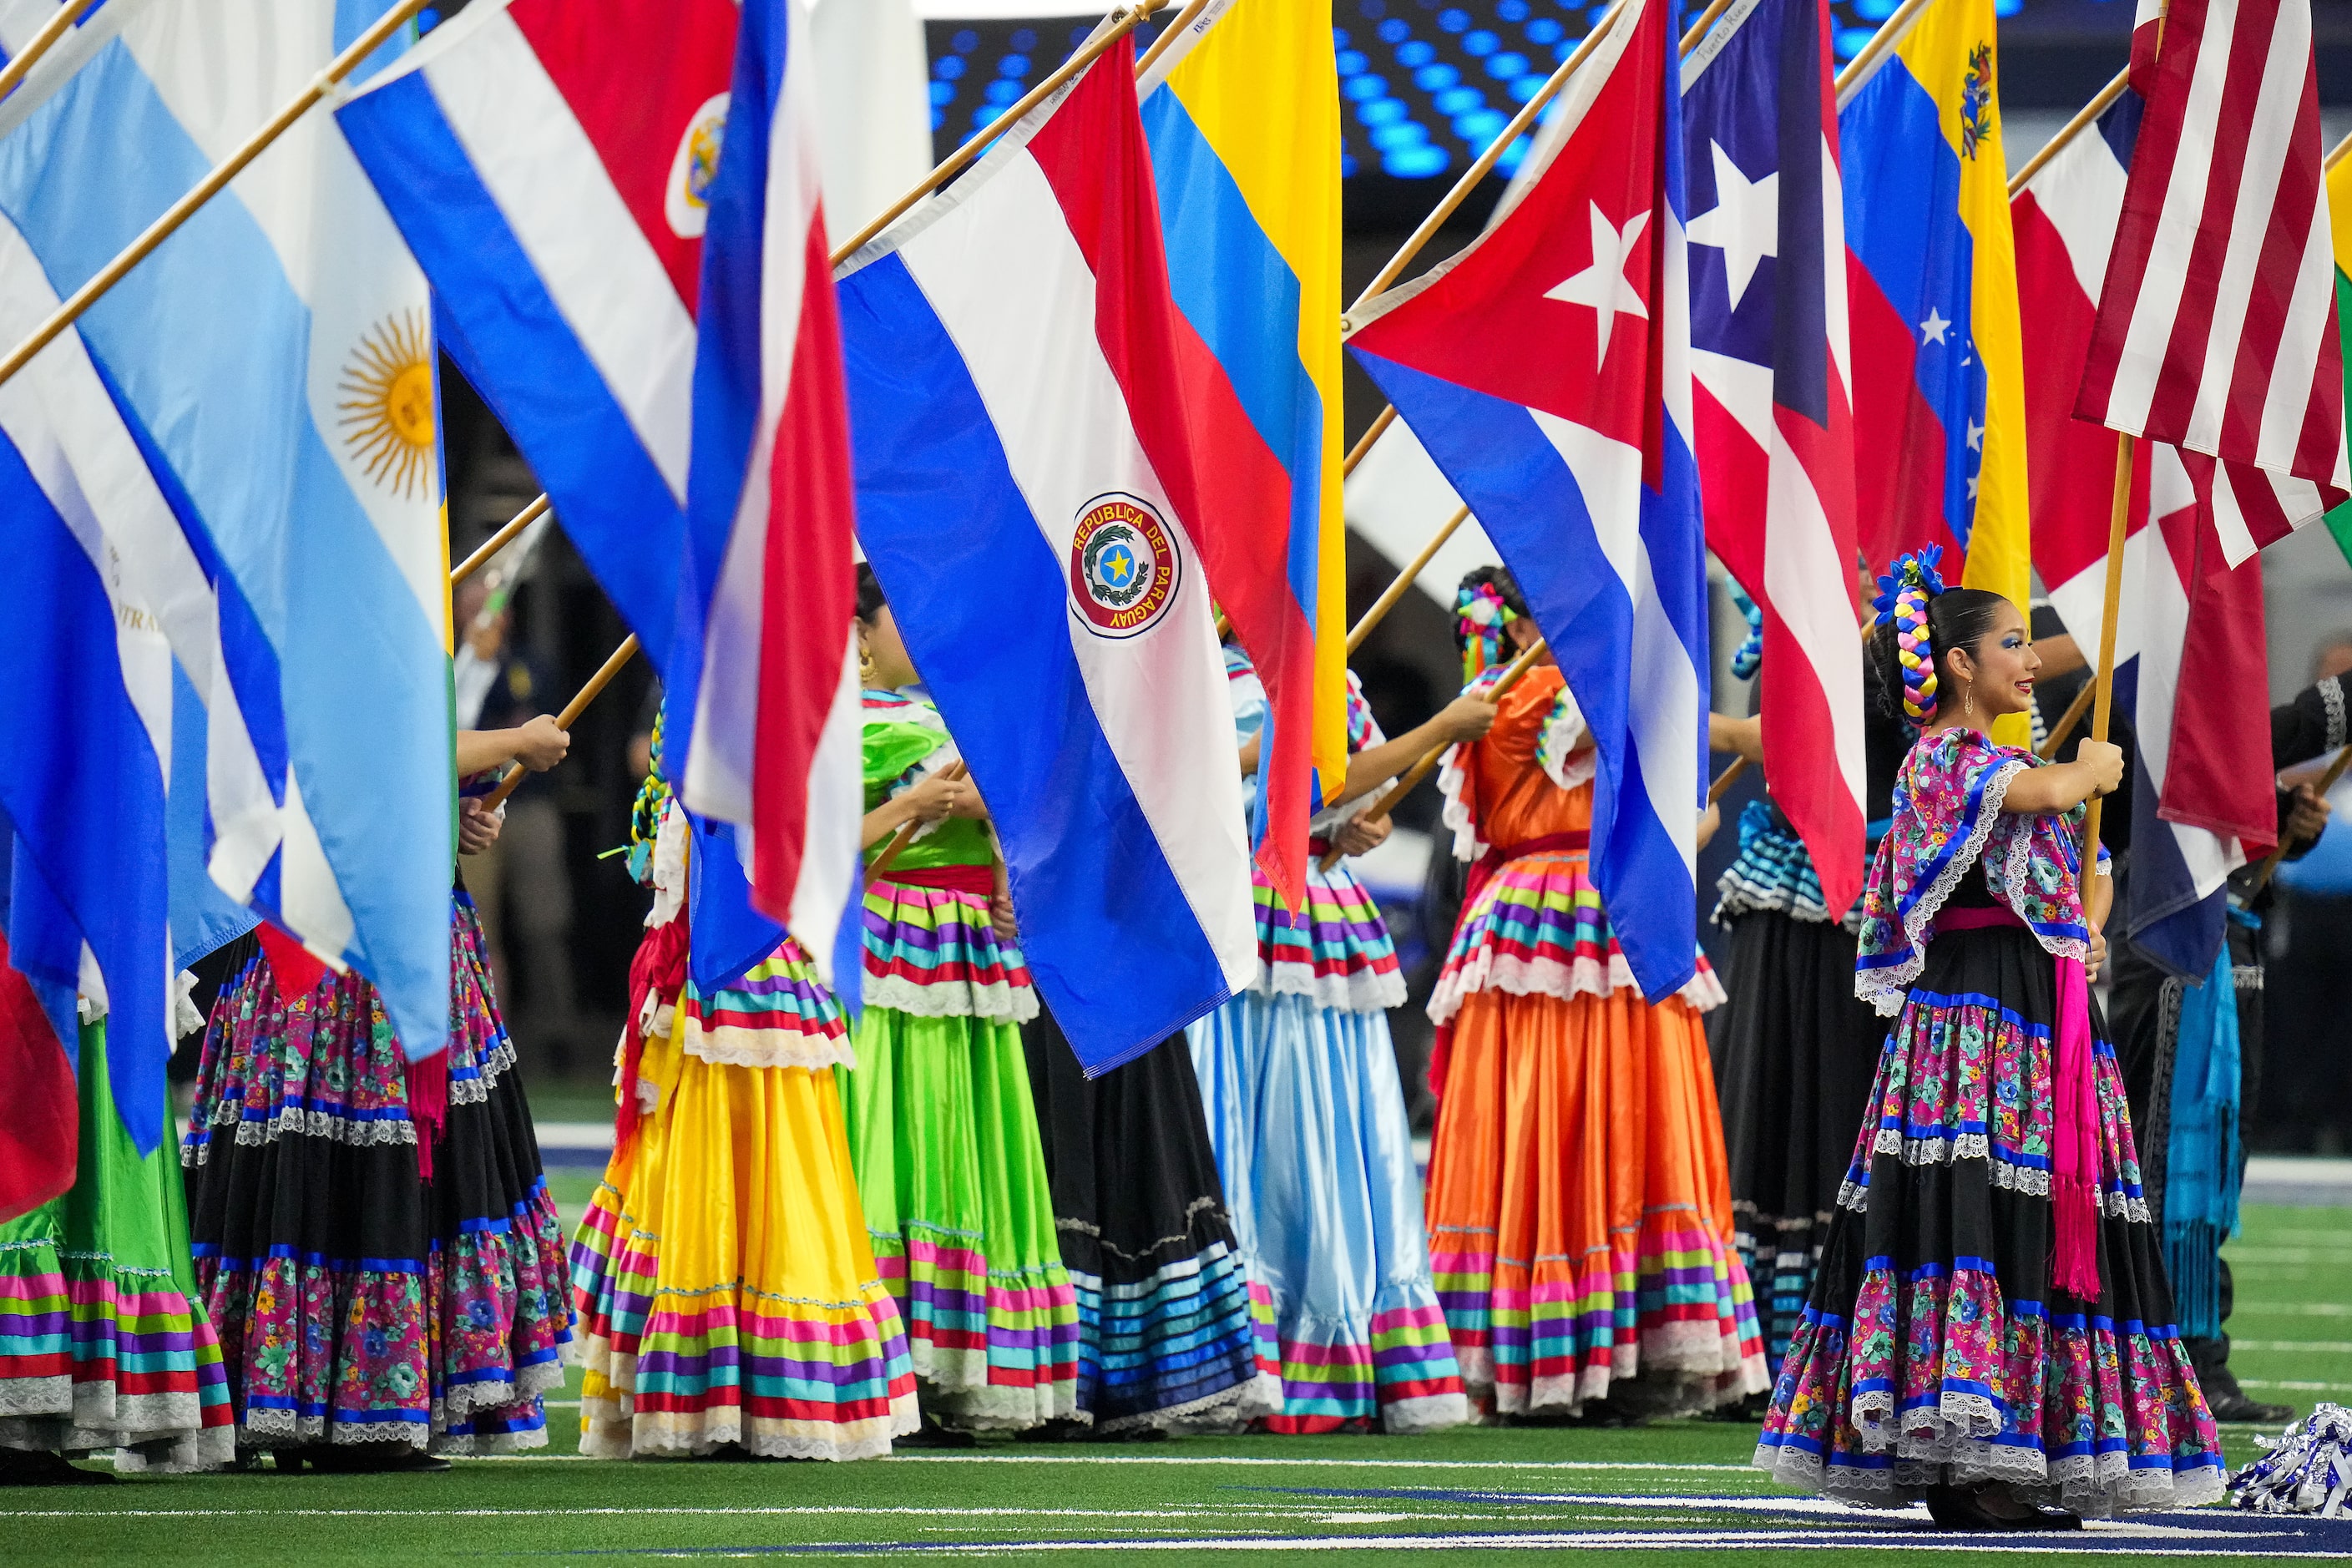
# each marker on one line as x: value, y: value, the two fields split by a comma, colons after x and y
x: 1580, y: 1208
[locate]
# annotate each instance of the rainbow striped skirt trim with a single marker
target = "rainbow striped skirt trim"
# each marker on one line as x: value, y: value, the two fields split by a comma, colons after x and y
x: 1335, y: 951
x: 930, y: 952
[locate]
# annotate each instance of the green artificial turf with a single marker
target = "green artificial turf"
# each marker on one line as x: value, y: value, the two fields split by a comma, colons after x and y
x: 1679, y: 1487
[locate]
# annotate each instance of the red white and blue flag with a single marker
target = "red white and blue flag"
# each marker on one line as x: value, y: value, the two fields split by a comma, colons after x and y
x: 1547, y: 368
x: 764, y: 668
x: 2217, y: 323
x: 2203, y: 802
x: 1773, y: 415
x: 1027, y: 495
x: 550, y: 164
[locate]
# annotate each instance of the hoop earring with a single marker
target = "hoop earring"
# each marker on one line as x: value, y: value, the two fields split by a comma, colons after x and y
x: 865, y: 663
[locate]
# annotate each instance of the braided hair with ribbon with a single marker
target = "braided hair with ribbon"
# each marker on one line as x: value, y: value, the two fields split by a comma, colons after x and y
x: 1487, y: 601
x: 1919, y: 623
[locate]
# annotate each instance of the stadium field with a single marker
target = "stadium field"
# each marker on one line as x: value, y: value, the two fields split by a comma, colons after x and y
x: 1675, y: 1492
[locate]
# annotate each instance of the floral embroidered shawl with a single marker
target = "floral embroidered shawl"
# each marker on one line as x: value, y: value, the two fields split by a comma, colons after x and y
x: 1948, y: 817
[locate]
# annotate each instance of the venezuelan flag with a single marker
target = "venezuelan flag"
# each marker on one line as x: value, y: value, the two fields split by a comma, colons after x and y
x: 1938, y: 378
x: 2339, y: 222
x: 1242, y: 115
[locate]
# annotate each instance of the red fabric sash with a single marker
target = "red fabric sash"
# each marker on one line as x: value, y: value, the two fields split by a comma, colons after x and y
x: 428, y: 1105
x: 42, y: 1131
x: 979, y: 879
x: 295, y: 968
x: 2074, y: 1150
x: 657, y: 970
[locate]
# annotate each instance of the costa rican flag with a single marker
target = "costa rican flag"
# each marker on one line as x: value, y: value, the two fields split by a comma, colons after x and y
x: 1547, y: 368
x: 1027, y: 496
x: 763, y: 671
x: 1773, y: 419
x: 550, y: 163
x: 2203, y: 802
x: 2217, y: 322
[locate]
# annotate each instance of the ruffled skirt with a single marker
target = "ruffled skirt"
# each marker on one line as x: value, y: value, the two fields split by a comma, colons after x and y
x: 1166, y: 1333
x: 1579, y: 1215
x: 1798, y: 1052
x: 1308, y: 1123
x: 355, y: 1301
x: 930, y: 952
x: 952, y: 1172
x: 1934, y: 1349
x: 1538, y: 929
x: 104, y: 1343
x: 726, y: 1288
x: 1335, y: 951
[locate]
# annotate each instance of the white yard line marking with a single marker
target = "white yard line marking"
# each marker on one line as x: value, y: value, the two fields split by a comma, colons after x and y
x: 2299, y: 1347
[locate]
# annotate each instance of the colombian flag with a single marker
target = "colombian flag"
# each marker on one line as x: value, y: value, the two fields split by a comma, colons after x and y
x: 1938, y: 383
x: 2340, y: 217
x: 1243, y: 114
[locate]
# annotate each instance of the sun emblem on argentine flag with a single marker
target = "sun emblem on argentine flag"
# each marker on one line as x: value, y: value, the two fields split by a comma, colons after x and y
x: 386, y: 405
x: 1124, y: 566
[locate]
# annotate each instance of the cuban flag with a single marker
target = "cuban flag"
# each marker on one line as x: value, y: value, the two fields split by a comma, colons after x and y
x: 1773, y: 421
x: 1026, y: 494
x: 277, y: 357
x: 1547, y: 368
x: 2203, y: 799
x: 551, y: 162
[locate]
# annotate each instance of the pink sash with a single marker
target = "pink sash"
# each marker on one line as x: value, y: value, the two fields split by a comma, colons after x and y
x: 2074, y: 1152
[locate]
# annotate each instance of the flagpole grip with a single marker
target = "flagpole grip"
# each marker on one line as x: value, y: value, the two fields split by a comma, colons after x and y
x: 2103, y: 702
x: 211, y: 185
x: 571, y: 714
x: 906, y: 834
x: 2278, y: 851
x: 1428, y: 764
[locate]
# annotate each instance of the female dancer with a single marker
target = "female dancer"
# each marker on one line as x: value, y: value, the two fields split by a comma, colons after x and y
x: 729, y: 1299
x: 1579, y: 1213
x: 1797, y: 1047
x: 103, y: 1338
x: 373, y: 1239
x: 1308, y: 1120
x: 942, y: 1131
x: 1990, y: 1325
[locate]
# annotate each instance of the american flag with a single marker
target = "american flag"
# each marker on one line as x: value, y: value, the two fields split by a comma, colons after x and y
x: 2217, y: 329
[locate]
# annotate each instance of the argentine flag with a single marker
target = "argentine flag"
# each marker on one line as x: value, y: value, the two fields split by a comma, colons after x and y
x: 274, y: 358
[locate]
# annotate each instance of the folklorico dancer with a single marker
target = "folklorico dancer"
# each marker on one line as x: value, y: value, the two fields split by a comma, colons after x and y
x: 1579, y: 1215
x: 1990, y: 1325
x: 375, y: 1241
x: 1299, y: 1078
x: 727, y: 1295
x: 104, y: 1343
x: 942, y: 1129
x: 1797, y: 1048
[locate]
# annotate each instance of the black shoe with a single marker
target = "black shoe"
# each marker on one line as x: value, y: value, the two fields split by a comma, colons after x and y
x: 2235, y: 1407
x: 934, y: 1436
x: 39, y: 1467
x: 1963, y: 1508
x: 372, y: 1459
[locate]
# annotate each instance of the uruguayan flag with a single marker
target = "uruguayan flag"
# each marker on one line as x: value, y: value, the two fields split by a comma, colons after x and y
x: 275, y: 357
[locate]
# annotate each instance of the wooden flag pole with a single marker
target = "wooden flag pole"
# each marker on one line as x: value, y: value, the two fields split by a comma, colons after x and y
x: 1364, y: 442
x: 2336, y: 154
x: 211, y: 185
x: 2278, y: 852
x: 2104, y: 702
x: 1890, y: 32
x: 571, y: 714
x: 1428, y: 764
x: 41, y: 43
x: 1404, y: 579
x: 498, y: 542
x: 2067, y: 721
x: 2083, y: 118
x: 1125, y: 20
x: 1723, y: 780
x: 1167, y: 35
x: 906, y: 834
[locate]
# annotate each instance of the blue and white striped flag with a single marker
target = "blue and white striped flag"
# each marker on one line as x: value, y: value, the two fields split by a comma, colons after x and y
x: 276, y: 358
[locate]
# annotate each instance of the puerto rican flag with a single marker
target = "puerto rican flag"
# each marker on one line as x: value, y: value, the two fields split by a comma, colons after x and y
x: 1773, y: 419
x: 764, y: 668
x: 2217, y: 325
x: 2204, y: 801
x: 1547, y: 368
x: 550, y: 164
